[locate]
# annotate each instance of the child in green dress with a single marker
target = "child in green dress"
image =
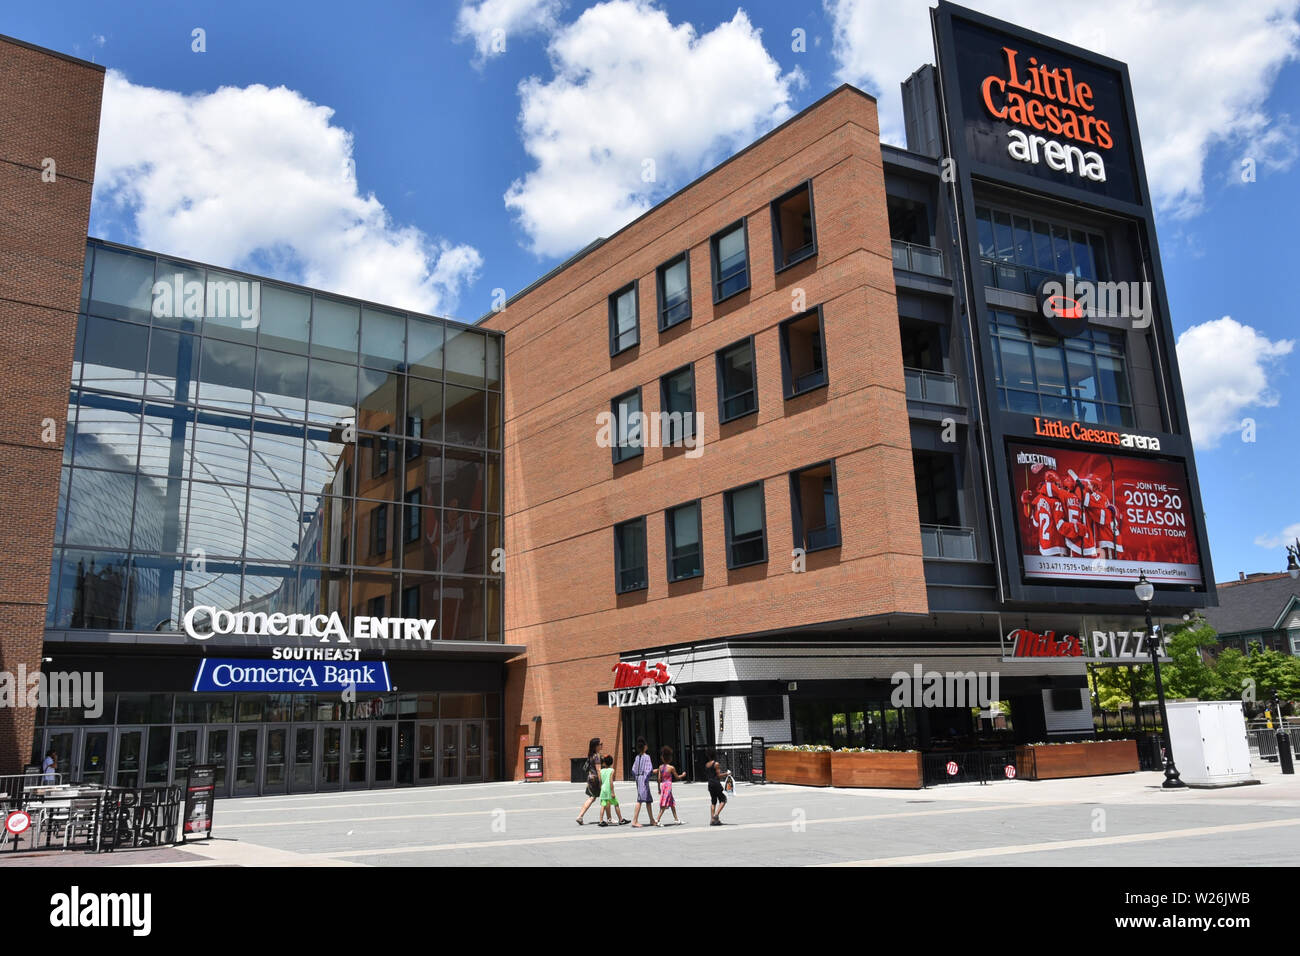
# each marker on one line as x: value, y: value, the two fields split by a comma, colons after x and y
x: 607, y: 798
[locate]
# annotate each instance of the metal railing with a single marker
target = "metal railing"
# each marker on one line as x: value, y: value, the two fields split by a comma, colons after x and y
x: 1264, y: 741
x: 922, y: 259
x: 926, y: 385
x: 97, y: 820
x: 1011, y: 277
x: 970, y: 766
x: 944, y: 541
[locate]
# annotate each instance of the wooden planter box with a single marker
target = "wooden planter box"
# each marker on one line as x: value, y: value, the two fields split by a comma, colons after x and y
x: 798, y: 766
x: 893, y: 771
x: 1055, y: 761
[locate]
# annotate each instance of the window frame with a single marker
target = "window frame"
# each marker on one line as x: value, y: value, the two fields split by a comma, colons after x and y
x: 614, y: 445
x: 743, y: 225
x: 679, y: 442
x: 634, y: 288
x: 723, y: 418
x: 726, y: 519
x: 410, y: 508
x: 379, y: 530
x: 788, y: 385
x: 684, y: 257
x: 796, y: 511
x: 644, y: 583
x: 668, y: 539
x: 811, y: 253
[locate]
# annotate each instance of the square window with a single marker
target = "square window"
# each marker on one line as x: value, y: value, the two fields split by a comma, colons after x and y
x: 630, y: 556
x: 730, y: 252
x: 625, y: 414
x: 794, y: 238
x: 685, y: 552
x: 815, y: 507
x: 677, y: 402
x: 803, y: 353
x: 673, y: 280
x: 737, y: 381
x: 623, y: 331
x: 746, y: 528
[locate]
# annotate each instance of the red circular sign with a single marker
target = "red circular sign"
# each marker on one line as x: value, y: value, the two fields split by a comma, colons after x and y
x: 952, y: 768
x: 17, y: 822
x: 1010, y: 771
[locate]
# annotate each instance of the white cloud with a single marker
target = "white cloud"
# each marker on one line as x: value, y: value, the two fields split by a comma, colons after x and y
x: 631, y: 87
x: 493, y: 23
x: 1202, y: 69
x: 1289, y: 535
x: 1225, y: 368
x: 256, y: 176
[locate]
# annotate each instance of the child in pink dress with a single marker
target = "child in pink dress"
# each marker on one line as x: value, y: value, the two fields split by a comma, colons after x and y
x: 667, y: 773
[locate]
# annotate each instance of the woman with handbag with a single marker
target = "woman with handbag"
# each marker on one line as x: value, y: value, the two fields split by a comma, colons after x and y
x: 592, y: 770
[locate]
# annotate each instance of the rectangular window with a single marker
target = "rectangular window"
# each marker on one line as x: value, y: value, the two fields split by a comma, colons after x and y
x: 411, y: 602
x: 746, y: 529
x: 803, y: 356
x: 730, y: 249
x: 379, y: 530
x: 411, y: 517
x: 815, y: 507
x: 380, y: 461
x: 375, y: 606
x: 737, y: 381
x: 794, y: 238
x: 673, y: 279
x: 765, y: 708
x: 1041, y: 248
x: 677, y: 400
x: 685, y: 553
x: 626, y: 414
x: 623, y: 320
x: 630, y: 556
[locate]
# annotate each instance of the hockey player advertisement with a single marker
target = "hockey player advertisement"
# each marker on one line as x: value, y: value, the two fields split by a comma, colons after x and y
x: 1093, y: 516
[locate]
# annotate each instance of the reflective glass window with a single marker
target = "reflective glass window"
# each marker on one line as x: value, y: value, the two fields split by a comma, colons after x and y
x: 334, y: 329
x: 216, y: 585
x: 173, y: 366
x: 462, y: 609
x: 232, y: 309
x: 277, y: 454
x: 285, y: 319
x: 463, y: 547
x: 179, y: 296
x: 122, y: 285
x: 156, y: 592
x: 218, y: 515
x: 463, y: 487
x: 165, y: 431
x: 466, y: 357
x: 271, y: 587
x: 99, y: 508
x: 219, y: 448
x: 464, y: 417
x: 331, y: 392
x: 423, y: 416
x: 281, y: 385
x: 424, y: 346
x: 113, y: 356
x: 161, y: 507
x: 379, y: 403
x: 93, y: 591
x: 226, y: 375
x: 325, y: 461
x: 274, y: 522
x: 107, y: 432
x: 383, y: 339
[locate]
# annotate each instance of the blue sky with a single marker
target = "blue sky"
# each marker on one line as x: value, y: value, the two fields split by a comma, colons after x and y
x: 401, y: 193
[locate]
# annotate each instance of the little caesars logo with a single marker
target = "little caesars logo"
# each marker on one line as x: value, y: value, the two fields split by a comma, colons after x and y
x: 202, y: 622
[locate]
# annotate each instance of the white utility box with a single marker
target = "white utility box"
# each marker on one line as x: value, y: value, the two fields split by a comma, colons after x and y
x: 1209, y: 741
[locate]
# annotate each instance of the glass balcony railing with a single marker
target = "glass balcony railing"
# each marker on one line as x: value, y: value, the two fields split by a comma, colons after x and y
x: 920, y: 259
x: 1013, y: 278
x: 945, y: 541
x: 924, y: 385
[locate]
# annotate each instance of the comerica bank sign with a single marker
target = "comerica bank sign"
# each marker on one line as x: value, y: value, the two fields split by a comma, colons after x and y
x: 203, y: 622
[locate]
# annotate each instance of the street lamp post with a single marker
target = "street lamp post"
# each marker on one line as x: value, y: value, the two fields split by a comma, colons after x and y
x: 1145, y: 591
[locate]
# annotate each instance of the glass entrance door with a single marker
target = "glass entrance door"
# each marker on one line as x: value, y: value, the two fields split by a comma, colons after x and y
x: 185, y: 751
x: 130, y: 747
x: 449, y: 751
x: 218, y: 754
x: 385, y: 734
x: 331, y: 758
x: 302, y: 779
x: 405, y: 753
x: 358, y: 776
x: 426, y: 751
x: 275, y: 762
x: 94, y: 757
x: 247, y: 749
x: 66, y: 745
x: 472, y: 741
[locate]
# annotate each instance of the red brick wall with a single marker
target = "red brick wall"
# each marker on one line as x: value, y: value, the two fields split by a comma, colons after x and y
x: 563, y: 494
x: 49, y: 107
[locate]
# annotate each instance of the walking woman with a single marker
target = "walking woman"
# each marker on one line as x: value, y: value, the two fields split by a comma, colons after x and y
x: 591, y: 769
x: 641, y: 770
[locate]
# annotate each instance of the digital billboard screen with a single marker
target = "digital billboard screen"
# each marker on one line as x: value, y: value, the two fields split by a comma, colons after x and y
x: 1085, y: 515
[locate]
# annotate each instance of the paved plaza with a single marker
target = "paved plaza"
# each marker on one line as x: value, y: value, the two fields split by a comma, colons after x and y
x: 1125, y: 820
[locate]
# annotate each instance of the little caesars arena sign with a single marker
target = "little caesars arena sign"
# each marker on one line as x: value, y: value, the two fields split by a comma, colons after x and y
x: 203, y: 622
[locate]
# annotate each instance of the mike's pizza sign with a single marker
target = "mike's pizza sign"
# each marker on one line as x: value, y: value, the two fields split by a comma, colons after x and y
x: 1028, y: 107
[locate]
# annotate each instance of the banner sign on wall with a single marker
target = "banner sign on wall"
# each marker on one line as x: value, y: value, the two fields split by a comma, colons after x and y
x: 233, y: 674
x: 1087, y: 515
x: 1031, y: 108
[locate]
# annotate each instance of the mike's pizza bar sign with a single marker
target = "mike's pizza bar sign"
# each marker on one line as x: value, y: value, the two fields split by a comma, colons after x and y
x: 1030, y: 107
x: 638, y: 685
x: 1095, y: 646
